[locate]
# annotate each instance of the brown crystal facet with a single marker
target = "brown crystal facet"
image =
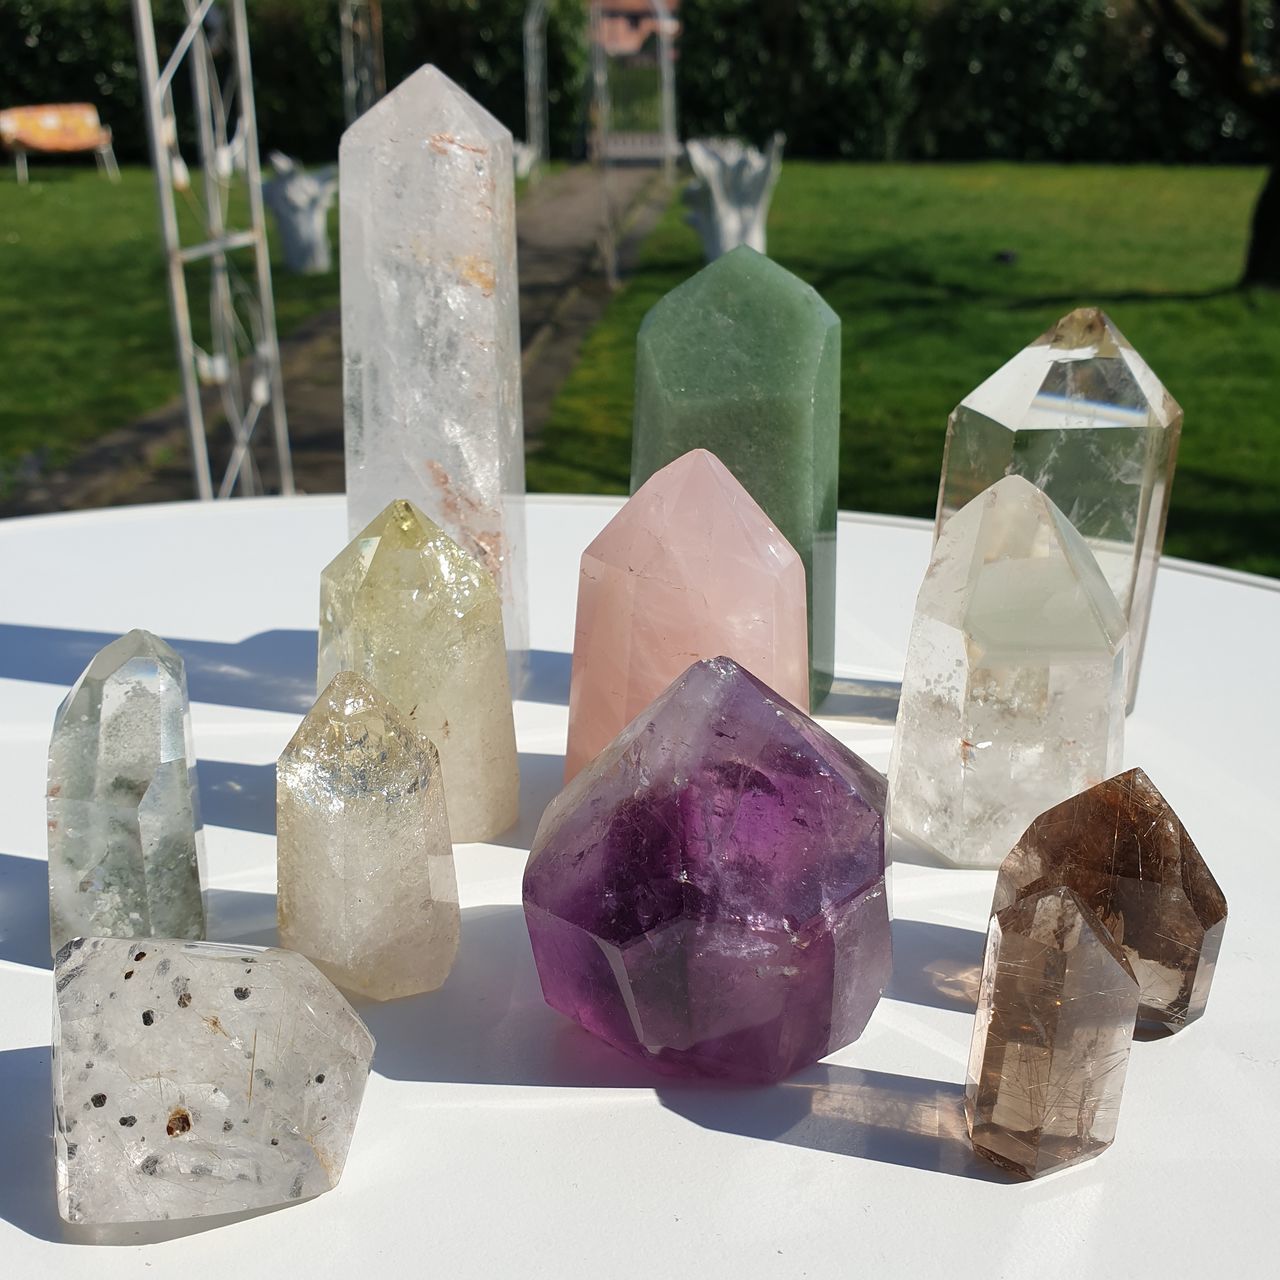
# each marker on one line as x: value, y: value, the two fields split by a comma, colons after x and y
x: 1121, y: 847
x: 1055, y: 1019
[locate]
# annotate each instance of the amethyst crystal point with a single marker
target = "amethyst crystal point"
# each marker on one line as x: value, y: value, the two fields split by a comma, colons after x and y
x: 708, y: 894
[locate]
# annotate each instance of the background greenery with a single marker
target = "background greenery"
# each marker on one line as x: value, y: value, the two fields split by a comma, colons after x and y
x: 867, y: 79
x: 85, y: 309
x: 910, y: 258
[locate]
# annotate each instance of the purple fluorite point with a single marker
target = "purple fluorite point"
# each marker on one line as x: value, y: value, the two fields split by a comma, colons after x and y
x: 708, y: 894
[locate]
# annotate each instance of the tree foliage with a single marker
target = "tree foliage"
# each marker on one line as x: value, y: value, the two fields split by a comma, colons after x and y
x: 867, y: 79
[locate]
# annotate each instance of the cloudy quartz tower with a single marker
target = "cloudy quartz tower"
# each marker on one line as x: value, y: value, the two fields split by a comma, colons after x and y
x: 417, y: 618
x: 365, y: 869
x: 743, y: 359
x: 125, y: 844
x: 1013, y: 693
x: 1079, y: 414
x: 689, y: 568
x: 708, y: 894
x: 431, y: 328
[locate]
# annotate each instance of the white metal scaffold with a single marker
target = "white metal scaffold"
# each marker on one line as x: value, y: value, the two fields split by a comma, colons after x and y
x: 241, y: 358
x: 364, y: 75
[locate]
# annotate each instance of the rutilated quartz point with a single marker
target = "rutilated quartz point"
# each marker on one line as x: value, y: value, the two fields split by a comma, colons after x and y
x: 708, y: 894
x: 1122, y: 848
x: 1056, y: 1010
x: 1013, y: 693
x: 431, y: 326
x: 126, y: 849
x: 743, y: 359
x: 193, y: 1078
x: 1080, y: 414
x: 366, y: 885
x: 409, y: 611
x: 689, y: 568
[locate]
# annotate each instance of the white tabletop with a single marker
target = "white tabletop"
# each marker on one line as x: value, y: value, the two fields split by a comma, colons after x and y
x: 497, y: 1139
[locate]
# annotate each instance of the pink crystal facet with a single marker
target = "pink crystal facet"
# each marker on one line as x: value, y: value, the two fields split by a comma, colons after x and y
x: 690, y: 568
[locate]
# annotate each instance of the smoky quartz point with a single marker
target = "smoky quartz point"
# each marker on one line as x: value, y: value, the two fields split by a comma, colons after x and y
x: 1122, y: 848
x: 1055, y: 1019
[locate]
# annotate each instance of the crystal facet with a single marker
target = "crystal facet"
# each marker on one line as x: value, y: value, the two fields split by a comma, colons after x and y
x: 192, y: 1078
x: 1013, y: 694
x: 405, y: 608
x: 367, y: 889
x: 1079, y: 414
x: 708, y: 894
x: 1123, y: 850
x: 125, y: 843
x: 744, y: 359
x: 1056, y: 1010
x: 431, y: 325
x: 689, y: 568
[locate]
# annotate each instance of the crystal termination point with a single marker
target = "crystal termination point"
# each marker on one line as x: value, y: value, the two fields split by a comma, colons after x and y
x: 708, y: 894
x: 126, y: 849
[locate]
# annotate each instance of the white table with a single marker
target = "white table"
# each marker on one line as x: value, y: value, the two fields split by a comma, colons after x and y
x: 498, y: 1140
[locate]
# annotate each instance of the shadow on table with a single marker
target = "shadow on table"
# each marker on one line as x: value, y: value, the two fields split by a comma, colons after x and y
x: 489, y: 1024
x: 902, y: 1120
x: 548, y: 679
x: 233, y: 915
x: 27, y: 1197
x: 541, y: 780
x: 241, y: 796
x: 937, y: 965
x: 872, y: 701
x: 24, y: 913
x: 272, y: 671
x: 905, y: 848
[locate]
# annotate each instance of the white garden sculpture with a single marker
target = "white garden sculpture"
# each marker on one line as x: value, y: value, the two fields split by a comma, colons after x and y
x: 300, y: 202
x: 729, y: 197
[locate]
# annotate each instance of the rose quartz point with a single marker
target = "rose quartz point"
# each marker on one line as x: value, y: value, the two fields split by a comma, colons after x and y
x: 690, y: 568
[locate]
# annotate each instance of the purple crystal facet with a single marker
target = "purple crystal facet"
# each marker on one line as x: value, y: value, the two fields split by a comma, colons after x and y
x: 708, y: 894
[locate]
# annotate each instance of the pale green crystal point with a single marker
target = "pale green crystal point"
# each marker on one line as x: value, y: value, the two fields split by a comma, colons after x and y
x: 743, y: 359
x: 405, y: 608
x: 125, y: 844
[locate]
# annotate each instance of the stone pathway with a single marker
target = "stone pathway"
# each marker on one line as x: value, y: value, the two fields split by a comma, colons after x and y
x: 562, y: 295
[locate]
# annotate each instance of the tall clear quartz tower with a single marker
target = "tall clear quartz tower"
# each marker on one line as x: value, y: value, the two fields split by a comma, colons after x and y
x: 1080, y: 415
x: 431, y: 326
x: 1013, y: 693
x: 125, y: 844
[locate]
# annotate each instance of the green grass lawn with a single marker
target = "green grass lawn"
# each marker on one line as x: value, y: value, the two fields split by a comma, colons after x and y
x: 907, y: 256
x: 84, y: 309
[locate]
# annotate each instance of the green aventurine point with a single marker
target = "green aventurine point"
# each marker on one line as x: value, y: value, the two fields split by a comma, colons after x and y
x: 743, y: 359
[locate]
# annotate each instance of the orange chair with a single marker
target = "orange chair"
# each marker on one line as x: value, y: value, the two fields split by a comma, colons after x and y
x: 57, y: 129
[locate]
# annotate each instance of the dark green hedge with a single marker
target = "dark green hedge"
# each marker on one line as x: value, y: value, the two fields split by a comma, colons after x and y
x: 73, y: 50
x: 900, y: 79
x: 953, y: 79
